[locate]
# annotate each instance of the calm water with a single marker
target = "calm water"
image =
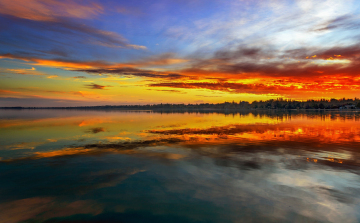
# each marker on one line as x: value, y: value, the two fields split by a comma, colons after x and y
x: 97, y: 166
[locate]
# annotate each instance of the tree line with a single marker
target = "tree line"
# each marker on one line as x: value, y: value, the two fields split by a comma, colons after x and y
x: 278, y: 103
x: 309, y: 104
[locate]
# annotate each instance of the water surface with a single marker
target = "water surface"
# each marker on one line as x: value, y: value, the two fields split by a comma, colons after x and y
x: 112, y: 166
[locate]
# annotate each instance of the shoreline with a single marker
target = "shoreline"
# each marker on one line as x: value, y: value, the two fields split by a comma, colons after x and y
x: 175, y: 110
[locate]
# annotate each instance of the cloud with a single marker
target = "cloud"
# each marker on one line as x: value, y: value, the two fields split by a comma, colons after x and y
x: 160, y: 60
x: 351, y: 53
x: 23, y: 71
x: 78, y: 77
x: 236, y: 59
x: 127, y: 71
x: 101, y: 66
x: 294, y: 90
x: 62, y: 18
x: 268, y: 62
x: 345, y: 22
x: 137, y: 47
x: 80, y: 31
x: 32, y: 71
x: 52, y: 76
x: 96, y: 86
x: 49, y: 10
x: 5, y: 92
x: 24, y: 145
x: 61, y: 63
x: 228, y: 87
x: 172, y: 91
x: 128, y: 11
x: 208, y: 96
x: 242, y: 52
x: 254, y: 70
x: 96, y: 130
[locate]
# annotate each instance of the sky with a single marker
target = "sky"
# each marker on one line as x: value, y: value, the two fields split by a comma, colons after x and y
x: 109, y: 52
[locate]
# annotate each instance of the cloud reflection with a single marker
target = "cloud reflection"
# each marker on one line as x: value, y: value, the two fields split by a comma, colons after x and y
x: 226, y: 168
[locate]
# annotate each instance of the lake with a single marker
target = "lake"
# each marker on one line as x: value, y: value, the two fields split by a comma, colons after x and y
x: 122, y: 166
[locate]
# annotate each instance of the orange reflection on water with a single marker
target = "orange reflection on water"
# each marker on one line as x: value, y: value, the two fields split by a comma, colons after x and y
x: 318, y: 130
x: 322, y: 132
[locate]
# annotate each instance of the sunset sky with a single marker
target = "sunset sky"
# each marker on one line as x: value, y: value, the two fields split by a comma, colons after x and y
x: 75, y: 53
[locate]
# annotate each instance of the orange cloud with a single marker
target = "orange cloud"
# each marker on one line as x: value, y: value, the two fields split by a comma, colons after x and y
x: 288, y: 89
x: 31, y: 71
x: 8, y: 92
x: 105, y: 66
x: 25, y: 145
x: 161, y: 60
x: 237, y: 71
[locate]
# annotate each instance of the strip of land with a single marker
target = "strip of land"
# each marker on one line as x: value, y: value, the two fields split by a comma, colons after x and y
x: 333, y: 104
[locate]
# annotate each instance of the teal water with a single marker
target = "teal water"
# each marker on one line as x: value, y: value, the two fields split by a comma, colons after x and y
x: 97, y: 166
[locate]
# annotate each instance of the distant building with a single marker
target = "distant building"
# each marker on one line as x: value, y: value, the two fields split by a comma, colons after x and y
x: 347, y: 107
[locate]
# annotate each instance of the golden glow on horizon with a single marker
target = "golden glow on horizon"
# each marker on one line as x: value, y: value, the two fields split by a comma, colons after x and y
x: 138, y: 91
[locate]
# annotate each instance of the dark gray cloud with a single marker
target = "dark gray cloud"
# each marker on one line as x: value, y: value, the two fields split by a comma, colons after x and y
x: 242, y: 52
x: 298, y: 63
x: 96, y: 86
x: 96, y: 130
x: 128, y: 71
x: 173, y: 91
x: 228, y: 87
x: 346, y: 22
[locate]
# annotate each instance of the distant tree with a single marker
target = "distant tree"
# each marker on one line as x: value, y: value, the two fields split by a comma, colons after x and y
x: 358, y: 105
x: 321, y: 106
x: 273, y: 104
